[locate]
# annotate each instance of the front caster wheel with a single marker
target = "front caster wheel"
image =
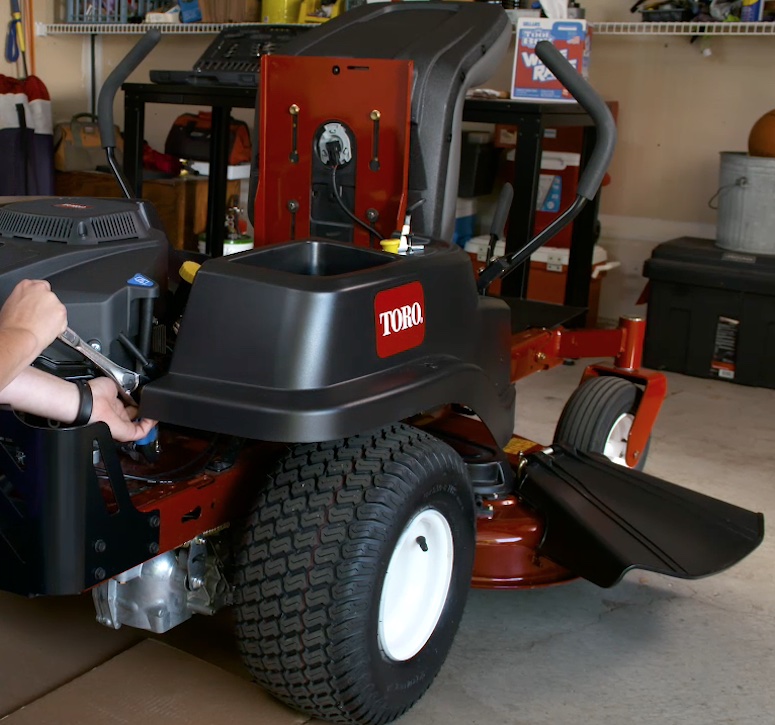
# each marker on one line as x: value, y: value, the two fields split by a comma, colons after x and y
x: 598, y: 418
x: 353, y: 572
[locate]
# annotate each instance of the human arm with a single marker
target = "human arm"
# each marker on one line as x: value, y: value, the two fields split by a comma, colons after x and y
x: 30, y: 320
x: 45, y: 395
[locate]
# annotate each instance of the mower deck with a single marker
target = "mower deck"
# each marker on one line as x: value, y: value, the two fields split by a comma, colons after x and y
x: 544, y: 516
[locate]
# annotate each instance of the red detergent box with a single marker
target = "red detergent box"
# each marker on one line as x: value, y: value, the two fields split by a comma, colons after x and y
x: 531, y: 79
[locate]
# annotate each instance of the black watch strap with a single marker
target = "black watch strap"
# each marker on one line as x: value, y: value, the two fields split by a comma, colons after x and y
x: 85, y: 403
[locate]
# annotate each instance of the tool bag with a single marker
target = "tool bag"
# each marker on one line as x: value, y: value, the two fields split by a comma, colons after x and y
x: 26, y: 147
x: 189, y: 138
x: 78, y: 145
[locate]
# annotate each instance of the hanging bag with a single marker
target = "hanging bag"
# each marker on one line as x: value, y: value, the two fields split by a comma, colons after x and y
x: 25, y: 137
x: 78, y: 145
x: 189, y: 138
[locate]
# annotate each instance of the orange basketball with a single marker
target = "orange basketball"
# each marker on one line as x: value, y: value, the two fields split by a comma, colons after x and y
x: 761, y: 141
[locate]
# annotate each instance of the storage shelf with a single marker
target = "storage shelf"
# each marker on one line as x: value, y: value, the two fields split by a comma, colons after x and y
x: 131, y: 28
x: 684, y: 28
x: 599, y: 28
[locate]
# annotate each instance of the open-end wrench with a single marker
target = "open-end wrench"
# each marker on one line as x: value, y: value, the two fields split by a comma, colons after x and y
x: 126, y: 380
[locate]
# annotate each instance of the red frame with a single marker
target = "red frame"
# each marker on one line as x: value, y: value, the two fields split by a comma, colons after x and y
x: 535, y: 350
x: 372, y: 97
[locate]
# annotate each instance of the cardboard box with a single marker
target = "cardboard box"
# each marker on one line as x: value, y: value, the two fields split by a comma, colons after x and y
x: 229, y: 11
x: 154, y: 684
x: 59, y: 667
x: 531, y: 80
x: 47, y: 642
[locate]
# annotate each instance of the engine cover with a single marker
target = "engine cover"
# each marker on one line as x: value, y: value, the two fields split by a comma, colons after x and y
x: 103, y: 258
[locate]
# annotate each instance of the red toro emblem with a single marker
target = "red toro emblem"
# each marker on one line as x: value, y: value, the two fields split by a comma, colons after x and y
x: 399, y: 318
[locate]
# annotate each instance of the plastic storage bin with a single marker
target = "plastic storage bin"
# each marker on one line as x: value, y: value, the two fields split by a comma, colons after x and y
x: 548, y: 272
x: 711, y: 312
x: 109, y: 11
x: 557, y: 187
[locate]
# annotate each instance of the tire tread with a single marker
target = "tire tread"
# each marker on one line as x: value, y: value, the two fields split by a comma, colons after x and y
x: 306, y: 561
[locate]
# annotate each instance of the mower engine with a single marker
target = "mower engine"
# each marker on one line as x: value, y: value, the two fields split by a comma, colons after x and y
x: 106, y: 260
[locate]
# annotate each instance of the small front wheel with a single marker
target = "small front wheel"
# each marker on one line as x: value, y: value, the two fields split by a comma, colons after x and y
x: 353, y: 573
x: 598, y: 418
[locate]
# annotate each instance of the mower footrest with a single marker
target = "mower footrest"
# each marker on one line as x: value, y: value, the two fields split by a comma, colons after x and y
x: 603, y: 520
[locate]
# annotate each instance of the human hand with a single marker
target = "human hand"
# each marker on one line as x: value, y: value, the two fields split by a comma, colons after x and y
x: 34, y: 309
x: 120, y: 418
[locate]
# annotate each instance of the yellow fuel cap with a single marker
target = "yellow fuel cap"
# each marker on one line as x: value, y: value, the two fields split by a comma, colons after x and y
x: 188, y: 271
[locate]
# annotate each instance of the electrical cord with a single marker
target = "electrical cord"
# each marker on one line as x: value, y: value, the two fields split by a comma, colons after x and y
x: 337, y: 195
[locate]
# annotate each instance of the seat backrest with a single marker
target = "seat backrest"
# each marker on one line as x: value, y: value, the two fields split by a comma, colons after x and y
x: 454, y: 46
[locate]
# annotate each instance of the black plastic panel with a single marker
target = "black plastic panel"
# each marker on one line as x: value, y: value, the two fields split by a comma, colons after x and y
x: 59, y: 533
x: 445, y: 41
x: 603, y: 520
x: 280, y: 344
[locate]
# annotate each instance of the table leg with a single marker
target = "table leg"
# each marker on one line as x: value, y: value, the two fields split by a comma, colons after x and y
x: 134, y: 128
x: 583, y: 240
x: 220, y: 144
x: 527, y: 169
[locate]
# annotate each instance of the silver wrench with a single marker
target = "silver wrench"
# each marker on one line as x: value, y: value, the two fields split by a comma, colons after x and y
x: 126, y: 380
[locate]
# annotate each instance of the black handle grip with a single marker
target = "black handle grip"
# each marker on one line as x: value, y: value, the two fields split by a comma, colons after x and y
x: 120, y: 73
x: 502, y: 210
x: 595, y: 106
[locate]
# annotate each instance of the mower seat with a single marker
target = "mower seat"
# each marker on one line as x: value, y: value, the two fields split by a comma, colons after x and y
x: 453, y: 46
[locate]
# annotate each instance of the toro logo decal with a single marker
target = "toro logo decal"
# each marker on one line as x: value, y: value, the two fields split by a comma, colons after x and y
x: 399, y: 318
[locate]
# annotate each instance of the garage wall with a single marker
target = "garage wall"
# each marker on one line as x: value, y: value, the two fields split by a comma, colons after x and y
x: 678, y: 110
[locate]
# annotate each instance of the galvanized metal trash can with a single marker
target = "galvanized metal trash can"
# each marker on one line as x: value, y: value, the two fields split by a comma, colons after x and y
x: 746, y: 204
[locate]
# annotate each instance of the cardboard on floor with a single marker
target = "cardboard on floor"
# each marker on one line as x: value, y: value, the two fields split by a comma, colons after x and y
x: 59, y: 667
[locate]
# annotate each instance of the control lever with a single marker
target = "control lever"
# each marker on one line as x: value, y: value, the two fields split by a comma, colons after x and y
x: 126, y: 380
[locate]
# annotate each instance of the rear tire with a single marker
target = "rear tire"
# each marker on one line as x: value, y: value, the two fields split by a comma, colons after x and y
x: 353, y: 572
x: 598, y: 418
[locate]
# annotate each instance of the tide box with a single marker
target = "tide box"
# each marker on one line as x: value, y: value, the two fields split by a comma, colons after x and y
x: 531, y: 80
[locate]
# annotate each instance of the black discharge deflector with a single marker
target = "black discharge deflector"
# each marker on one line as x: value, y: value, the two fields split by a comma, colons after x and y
x: 603, y: 520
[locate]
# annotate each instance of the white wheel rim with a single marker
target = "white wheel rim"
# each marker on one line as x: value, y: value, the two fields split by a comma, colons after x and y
x: 616, y: 444
x: 415, y: 587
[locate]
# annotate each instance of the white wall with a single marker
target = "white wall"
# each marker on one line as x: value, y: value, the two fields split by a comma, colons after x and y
x: 678, y: 111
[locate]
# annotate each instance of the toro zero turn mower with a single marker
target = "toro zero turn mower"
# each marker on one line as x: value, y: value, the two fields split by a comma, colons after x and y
x: 335, y: 457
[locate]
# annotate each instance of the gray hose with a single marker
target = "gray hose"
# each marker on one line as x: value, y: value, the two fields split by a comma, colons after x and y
x: 595, y: 106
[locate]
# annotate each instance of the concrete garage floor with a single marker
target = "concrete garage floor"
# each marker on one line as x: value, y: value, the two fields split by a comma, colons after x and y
x: 650, y: 650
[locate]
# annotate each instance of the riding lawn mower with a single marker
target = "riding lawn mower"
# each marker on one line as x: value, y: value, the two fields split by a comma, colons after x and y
x: 335, y: 457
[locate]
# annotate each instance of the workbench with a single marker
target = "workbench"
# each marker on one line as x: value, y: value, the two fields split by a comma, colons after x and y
x: 220, y: 99
x: 532, y: 119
